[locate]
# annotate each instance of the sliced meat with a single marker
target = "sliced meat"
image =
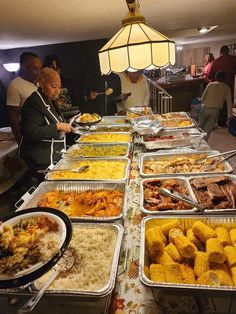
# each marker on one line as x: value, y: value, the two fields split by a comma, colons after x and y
x: 231, y: 188
x: 226, y: 192
x: 203, y: 183
x: 215, y: 192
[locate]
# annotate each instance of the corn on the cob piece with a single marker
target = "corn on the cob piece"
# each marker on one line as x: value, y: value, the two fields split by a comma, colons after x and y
x: 232, y: 234
x: 230, y: 254
x: 185, y: 247
x: 201, y: 263
x: 192, y: 238
x: 215, y: 251
x: 173, y: 273
x: 223, y: 236
x: 233, y: 274
x: 209, y: 278
x: 163, y: 258
x: 187, y: 274
x: 157, y: 273
x: 175, y: 223
x: 156, y: 240
x: 173, y: 233
x: 222, y: 271
x: 173, y: 252
x: 202, y: 231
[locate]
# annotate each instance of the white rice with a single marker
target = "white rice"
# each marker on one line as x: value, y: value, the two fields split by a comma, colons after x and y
x: 95, y: 250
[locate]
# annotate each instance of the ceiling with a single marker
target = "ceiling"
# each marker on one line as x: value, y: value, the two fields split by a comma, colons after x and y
x: 25, y: 23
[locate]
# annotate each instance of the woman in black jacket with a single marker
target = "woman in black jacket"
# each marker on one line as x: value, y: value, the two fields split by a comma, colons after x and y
x: 42, y: 124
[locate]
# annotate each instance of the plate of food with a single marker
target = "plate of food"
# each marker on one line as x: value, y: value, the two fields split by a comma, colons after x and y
x: 31, y: 243
x: 87, y: 119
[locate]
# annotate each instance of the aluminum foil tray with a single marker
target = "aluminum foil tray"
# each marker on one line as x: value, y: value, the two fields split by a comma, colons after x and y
x: 106, y: 290
x: 112, y: 120
x: 137, y: 110
x: 194, y: 134
x: 67, y: 163
x: 216, y: 210
x: 76, y: 146
x: 170, y: 156
x: 186, y: 222
x: 31, y: 200
x: 182, y: 113
x: 95, y: 133
x: 126, y: 127
x: 181, y: 180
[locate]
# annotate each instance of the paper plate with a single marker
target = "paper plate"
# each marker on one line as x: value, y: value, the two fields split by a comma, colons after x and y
x: 28, y: 275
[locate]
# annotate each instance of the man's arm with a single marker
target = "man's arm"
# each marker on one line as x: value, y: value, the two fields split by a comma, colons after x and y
x: 14, y: 119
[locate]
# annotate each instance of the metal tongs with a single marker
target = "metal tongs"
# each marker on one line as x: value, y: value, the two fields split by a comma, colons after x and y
x: 181, y: 197
x: 231, y: 154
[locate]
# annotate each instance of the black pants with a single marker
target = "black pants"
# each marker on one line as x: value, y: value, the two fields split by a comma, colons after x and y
x: 222, y: 119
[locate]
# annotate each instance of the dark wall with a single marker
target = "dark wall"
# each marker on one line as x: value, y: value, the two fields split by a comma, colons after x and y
x: 77, y: 59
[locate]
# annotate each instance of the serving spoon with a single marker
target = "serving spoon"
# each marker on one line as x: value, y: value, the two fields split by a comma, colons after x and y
x: 78, y: 170
x: 66, y: 263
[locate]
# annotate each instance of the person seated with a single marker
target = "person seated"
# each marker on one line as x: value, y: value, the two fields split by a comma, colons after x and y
x: 42, y: 124
x: 134, y: 89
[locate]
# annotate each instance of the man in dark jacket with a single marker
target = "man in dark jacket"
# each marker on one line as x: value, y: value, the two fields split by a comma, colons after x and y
x: 42, y: 124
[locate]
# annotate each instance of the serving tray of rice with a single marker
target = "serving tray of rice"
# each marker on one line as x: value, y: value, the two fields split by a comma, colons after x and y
x: 97, y: 249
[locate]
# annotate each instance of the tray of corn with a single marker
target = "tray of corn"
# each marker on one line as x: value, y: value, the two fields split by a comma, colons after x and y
x: 189, y: 253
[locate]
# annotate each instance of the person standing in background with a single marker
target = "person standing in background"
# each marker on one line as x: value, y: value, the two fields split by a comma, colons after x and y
x: 21, y: 88
x: 136, y: 84
x: 101, y: 92
x: 227, y: 64
x: 207, y: 67
x: 213, y: 98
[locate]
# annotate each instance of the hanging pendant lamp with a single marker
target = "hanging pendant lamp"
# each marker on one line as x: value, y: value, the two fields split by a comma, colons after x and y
x: 136, y: 46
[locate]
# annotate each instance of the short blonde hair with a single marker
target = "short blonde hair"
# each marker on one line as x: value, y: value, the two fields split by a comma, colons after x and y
x: 48, y: 73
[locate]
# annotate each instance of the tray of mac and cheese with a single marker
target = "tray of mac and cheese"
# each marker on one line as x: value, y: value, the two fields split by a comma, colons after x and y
x: 90, y: 169
x: 189, y: 253
x: 105, y: 137
x: 90, y: 201
x: 182, y: 163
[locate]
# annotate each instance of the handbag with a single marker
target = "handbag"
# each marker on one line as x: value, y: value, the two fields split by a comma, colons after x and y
x: 232, y: 126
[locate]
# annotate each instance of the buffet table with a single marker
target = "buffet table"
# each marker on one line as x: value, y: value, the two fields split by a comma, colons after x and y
x: 129, y: 295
